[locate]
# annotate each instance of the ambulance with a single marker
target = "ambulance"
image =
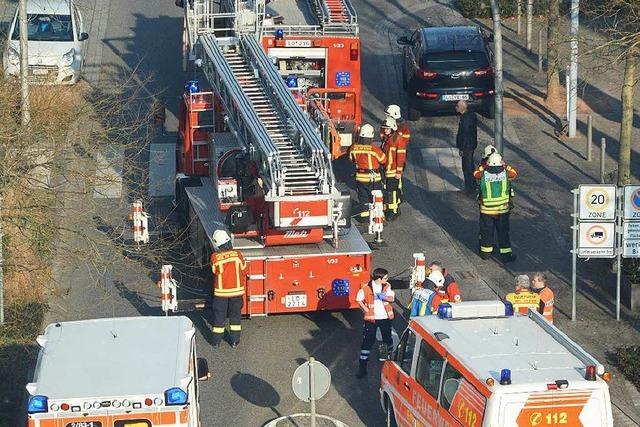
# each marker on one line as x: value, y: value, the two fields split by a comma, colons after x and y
x: 478, y: 364
x: 117, y: 372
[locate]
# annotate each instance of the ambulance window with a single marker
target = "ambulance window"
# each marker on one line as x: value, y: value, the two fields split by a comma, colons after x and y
x: 404, y: 354
x: 450, y: 383
x: 429, y: 369
x: 132, y: 423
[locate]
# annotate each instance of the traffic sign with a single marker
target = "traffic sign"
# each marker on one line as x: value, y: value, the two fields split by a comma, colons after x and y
x: 631, y: 239
x: 596, y: 240
x: 632, y: 202
x: 597, y: 203
x: 304, y: 388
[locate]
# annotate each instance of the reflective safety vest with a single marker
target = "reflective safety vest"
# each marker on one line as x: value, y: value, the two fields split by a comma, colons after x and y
x: 369, y: 300
x: 228, y: 268
x: 422, y: 302
x: 495, y: 189
x: 395, y: 148
x: 368, y: 159
x: 523, y: 301
x: 547, y: 301
x: 403, y: 131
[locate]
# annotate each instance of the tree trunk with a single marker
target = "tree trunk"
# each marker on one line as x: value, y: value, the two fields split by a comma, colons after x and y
x: 626, y: 124
x: 553, y: 38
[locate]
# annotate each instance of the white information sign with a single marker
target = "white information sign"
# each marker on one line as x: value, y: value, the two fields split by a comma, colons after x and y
x: 597, y: 203
x: 631, y: 239
x: 632, y: 202
x: 631, y: 248
x: 596, y: 240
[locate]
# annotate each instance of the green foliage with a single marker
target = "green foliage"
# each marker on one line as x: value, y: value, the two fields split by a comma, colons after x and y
x: 628, y: 361
x: 508, y: 9
x: 631, y: 268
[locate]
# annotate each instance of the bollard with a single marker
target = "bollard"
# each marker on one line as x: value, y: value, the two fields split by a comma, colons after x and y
x: 603, y: 152
x: 589, y: 136
x: 418, y: 271
x: 540, y: 50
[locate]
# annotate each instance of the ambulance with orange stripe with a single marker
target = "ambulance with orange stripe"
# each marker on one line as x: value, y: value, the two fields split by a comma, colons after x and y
x: 118, y: 372
x: 478, y: 364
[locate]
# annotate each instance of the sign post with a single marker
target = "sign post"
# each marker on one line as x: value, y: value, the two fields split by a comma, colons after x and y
x: 310, y: 382
x: 630, y: 236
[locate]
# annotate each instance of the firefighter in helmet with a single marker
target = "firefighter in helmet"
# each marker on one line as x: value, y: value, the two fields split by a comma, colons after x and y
x: 368, y: 159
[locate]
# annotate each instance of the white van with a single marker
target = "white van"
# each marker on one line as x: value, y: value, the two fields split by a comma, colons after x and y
x: 57, y: 42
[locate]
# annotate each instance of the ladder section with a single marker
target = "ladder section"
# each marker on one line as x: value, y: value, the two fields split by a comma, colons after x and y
x: 335, y: 13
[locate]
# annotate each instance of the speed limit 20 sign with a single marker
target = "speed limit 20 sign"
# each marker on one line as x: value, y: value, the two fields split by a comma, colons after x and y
x: 597, y: 202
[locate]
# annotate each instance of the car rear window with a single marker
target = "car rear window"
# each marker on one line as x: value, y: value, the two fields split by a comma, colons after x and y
x: 448, y: 61
x: 447, y: 40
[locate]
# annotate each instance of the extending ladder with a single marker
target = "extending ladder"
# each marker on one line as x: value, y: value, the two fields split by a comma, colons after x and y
x: 335, y: 12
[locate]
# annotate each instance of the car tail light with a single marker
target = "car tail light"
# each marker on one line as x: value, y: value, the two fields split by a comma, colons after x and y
x: 353, y: 52
x: 486, y: 71
x: 478, y: 94
x: 590, y: 375
x: 426, y: 74
x: 427, y: 95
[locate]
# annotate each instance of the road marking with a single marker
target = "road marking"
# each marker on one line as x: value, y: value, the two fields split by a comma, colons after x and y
x: 162, y: 169
x: 108, y: 183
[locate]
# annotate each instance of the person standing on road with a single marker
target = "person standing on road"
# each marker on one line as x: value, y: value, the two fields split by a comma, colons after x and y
x: 404, y: 136
x: 540, y: 285
x: 523, y: 299
x: 228, y: 267
x: 374, y: 299
x: 368, y: 159
x: 467, y: 142
x: 449, y: 286
x: 392, y: 145
x: 495, y: 197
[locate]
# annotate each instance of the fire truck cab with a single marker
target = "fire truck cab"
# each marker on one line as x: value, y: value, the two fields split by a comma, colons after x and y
x: 117, y: 372
x: 478, y: 364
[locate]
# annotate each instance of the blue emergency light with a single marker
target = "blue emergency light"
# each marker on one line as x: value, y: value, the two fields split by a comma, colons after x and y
x: 279, y: 34
x: 38, y: 404
x: 444, y: 311
x: 505, y: 377
x: 175, y: 396
x: 508, y: 308
x: 192, y: 86
x: 340, y: 287
x: 292, y: 81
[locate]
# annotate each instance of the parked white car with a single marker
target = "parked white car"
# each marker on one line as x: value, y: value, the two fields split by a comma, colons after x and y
x: 56, y: 42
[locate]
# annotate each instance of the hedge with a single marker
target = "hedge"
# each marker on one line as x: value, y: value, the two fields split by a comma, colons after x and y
x: 482, y: 8
x: 628, y: 360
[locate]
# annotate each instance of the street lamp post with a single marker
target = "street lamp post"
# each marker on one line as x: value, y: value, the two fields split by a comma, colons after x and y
x: 24, y: 63
x: 573, y: 71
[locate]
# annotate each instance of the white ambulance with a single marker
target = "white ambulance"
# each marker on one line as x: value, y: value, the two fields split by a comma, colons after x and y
x: 118, y: 372
x: 477, y: 364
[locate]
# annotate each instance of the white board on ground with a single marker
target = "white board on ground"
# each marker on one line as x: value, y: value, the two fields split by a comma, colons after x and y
x: 597, y: 202
x: 162, y: 170
x: 596, y: 240
x: 109, y: 169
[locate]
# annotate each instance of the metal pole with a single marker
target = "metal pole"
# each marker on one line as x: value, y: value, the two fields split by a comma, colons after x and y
x: 540, y: 50
x: 589, y: 136
x: 24, y: 64
x: 567, y: 80
x: 603, y: 152
x: 497, y: 34
x: 312, y: 397
x: 519, y: 14
x: 574, y: 255
x: 1, y: 269
x: 575, y: 22
x: 618, y: 250
x: 529, y: 23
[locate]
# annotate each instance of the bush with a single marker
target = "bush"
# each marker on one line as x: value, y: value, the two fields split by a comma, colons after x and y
x: 628, y: 361
x: 631, y: 268
x: 508, y: 9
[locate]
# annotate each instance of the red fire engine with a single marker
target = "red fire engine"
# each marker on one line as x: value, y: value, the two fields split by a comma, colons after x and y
x: 252, y: 163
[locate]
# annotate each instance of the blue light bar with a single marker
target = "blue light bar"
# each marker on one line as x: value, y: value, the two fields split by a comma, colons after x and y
x: 444, y: 311
x: 38, y: 404
x: 508, y: 308
x: 279, y: 34
x: 192, y: 86
x: 292, y: 81
x: 505, y: 377
x: 175, y: 396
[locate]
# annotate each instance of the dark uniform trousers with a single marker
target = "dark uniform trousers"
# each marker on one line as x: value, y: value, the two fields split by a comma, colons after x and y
x: 467, y: 170
x: 369, y: 337
x: 489, y: 224
x: 393, y: 194
x: 364, y: 194
x: 223, y: 308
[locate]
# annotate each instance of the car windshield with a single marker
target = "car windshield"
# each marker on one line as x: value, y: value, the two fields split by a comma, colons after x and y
x: 45, y: 28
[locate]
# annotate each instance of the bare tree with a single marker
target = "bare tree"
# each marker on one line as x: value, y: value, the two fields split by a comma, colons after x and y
x: 553, y: 94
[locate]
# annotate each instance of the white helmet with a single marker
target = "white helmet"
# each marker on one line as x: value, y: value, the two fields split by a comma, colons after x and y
x: 437, y: 278
x: 494, y: 159
x: 393, y: 111
x: 489, y: 150
x: 390, y: 123
x: 220, y: 237
x: 366, y: 131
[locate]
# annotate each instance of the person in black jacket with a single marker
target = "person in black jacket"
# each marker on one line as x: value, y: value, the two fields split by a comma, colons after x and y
x: 467, y: 142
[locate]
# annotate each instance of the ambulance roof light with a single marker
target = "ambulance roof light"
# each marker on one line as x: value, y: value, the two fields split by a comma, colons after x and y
x: 38, y: 403
x: 505, y: 377
x: 192, y: 86
x: 279, y: 33
x: 175, y: 396
x: 475, y: 309
x: 590, y: 374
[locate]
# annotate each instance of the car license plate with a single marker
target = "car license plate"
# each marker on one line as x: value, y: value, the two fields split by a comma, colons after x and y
x: 297, y: 43
x: 456, y: 97
x: 296, y: 300
x: 40, y: 71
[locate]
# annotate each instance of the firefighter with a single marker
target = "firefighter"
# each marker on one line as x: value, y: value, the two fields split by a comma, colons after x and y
x: 488, y: 150
x: 391, y: 144
x: 368, y: 159
x: 540, y: 285
x: 494, y: 198
x: 523, y: 299
x: 228, y: 267
x: 450, y: 286
x: 404, y: 135
x: 374, y: 299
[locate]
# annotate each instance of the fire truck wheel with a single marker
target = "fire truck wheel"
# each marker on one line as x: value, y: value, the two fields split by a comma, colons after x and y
x: 391, y: 415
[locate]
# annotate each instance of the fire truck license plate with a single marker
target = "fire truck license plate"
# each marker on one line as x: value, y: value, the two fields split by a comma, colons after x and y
x: 298, y: 300
x: 297, y: 43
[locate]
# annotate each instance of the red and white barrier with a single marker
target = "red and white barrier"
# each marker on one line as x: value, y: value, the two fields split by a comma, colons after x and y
x: 140, y: 223
x: 168, y: 290
x: 418, y: 271
x: 376, y: 215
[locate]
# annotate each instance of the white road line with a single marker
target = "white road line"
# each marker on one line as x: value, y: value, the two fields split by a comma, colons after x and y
x: 162, y: 169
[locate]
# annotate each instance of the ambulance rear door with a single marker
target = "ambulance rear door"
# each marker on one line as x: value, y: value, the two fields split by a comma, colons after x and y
x: 561, y: 408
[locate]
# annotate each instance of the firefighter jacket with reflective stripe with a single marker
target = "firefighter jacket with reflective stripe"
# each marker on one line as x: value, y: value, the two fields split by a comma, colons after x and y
x: 547, y: 301
x: 228, y: 267
x: 395, y: 148
x: 368, y: 159
x: 369, y: 299
x: 495, y: 188
x: 403, y: 131
x: 523, y: 301
x: 451, y: 287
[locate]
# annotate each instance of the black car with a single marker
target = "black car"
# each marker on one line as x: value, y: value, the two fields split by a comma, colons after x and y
x: 443, y: 65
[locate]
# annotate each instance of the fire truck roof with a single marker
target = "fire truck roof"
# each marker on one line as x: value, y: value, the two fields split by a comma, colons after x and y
x: 534, y: 351
x: 293, y: 12
x: 112, y: 357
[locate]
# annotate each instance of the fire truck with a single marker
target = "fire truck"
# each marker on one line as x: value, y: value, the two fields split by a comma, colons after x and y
x: 314, y: 45
x: 117, y: 372
x: 249, y: 161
